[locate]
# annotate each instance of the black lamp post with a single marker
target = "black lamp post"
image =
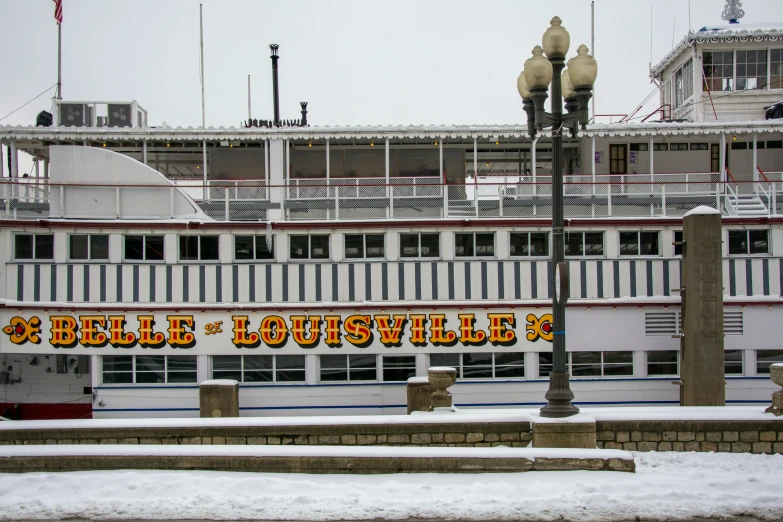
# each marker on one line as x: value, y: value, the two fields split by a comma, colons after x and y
x: 575, y: 84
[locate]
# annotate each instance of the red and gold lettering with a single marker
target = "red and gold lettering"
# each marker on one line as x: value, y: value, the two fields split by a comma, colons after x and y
x: 390, y: 335
x: 241, y: 336
x: 417, y: 329
x: 498, y: 331
x: 332, y: 330
x: 467, y: 335
x: 178, y: 337
x: 63, y: 331
x: 273, y: 331
x: 357, y: 330
x: 147, y: 337
x: 298, y: 330
x: 438, y: 332
x: 90, y: 334
x: 117, y: 336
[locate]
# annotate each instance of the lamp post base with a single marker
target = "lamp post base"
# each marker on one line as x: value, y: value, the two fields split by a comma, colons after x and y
x: 559, y: 397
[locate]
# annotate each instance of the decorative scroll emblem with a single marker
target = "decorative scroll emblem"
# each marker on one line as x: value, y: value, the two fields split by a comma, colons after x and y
x: 21, y: 330
x: 539, y: 327
x: 733, y: 11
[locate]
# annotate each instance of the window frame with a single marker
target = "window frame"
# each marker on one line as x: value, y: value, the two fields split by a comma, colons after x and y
x: 310, y: 257
x: 364, y: 255
x: 639, y: 243
x: 254, y: 241
x: 418, y: 247
x: 748, y: 243
x: 35, y: 247
x: 199, y: 248
x: 134, y: 371
x: 475, y: 254
x: 89, y: 257
x: 144, y: 248
x: 274, y: 370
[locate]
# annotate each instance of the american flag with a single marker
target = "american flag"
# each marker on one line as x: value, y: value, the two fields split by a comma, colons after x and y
x: 58, y: 11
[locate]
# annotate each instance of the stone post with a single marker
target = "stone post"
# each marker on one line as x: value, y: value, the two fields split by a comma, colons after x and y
x: 219, y: 398
x: 419, y: 394
x: 441, y: 378
x: 702, y: 368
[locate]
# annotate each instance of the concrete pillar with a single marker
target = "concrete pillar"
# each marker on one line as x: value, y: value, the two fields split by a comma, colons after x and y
x: 219, y: 398
x: 702, y: 368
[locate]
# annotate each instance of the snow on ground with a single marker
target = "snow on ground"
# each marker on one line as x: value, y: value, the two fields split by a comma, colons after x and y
x: 667, y: 486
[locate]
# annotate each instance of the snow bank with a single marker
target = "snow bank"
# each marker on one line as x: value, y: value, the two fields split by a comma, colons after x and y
x: 666, y: 486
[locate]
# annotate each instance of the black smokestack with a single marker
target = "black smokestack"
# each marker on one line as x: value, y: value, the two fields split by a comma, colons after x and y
x: 275, y: 93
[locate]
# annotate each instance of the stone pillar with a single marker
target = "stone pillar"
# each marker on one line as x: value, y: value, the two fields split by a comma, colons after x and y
x: 702, y: 368
x: 219, y: 398
x: 419, y: 394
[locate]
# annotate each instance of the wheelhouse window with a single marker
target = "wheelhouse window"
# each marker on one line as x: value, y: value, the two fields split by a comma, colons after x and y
x: 748, y: 242
x: 310, y: 246
x: 199, y: 248
x: 751, y: 70
x: 766, y: 358
x: 718, y: 70
x: 639, y: 243
x: 420, y: 245
x: 663, y: 362
x: 88, y: 247
x: 33, y: 246
x: 365, y: 246
x: 277, y: 369
x: 253, y: 247
x: 733, y: 362
x: 149, y: 369
x: 483, y: 365
x: 474, y: 245
x: 584, y: 244
x: 348, y: 368
x: 529, y: 244
x: 143, y: 248
x: 398, y: 367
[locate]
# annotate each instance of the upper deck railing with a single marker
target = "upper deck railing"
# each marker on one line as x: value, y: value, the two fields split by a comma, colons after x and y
x: 358, y: 199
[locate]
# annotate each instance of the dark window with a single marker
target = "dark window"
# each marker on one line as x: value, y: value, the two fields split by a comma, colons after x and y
x: 398, y: 367
x: 347, y: 368
x: 253, y: 247
x: 766, y: 358
x: 748, y: 242
x: 143, y: 248
x: 529, y: 243
x: 88, y: 246
x: 34, y: 246
x: 199, y: 248
x: 639, y: 243
x: 474, y: 245
x: 314, y: 246
x: 663, y: 362
x: 420, y: 245
x: 364, y: 246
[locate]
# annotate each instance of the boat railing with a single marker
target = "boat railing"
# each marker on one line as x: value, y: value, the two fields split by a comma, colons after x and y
x: 585, y: 196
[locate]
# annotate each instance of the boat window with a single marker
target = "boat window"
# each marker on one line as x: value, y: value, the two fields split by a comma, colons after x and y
x: 364, y: 246
x: 33, y: 246
x: 584, y: 244
x: 143, y: 248
x: 309, y: 246
x: 398, y: 367
x: 639, y: 243
x: 420, y: 245
x: 199, y: 248
x: 259, y: 368
x: 254, y: 247
x: 748, y: 242
x: 663, y: 362
x: 474, y: 245
x: 149, y: 369
x: 88, y: 247
x: 348, y: 368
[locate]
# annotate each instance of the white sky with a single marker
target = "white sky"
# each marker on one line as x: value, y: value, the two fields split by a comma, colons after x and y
x: 356, y: 62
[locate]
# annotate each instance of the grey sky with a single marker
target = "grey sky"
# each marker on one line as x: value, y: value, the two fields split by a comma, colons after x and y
x: 356, y: 62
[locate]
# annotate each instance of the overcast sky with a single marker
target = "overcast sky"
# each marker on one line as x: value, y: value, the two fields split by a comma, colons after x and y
x: 356, y: 62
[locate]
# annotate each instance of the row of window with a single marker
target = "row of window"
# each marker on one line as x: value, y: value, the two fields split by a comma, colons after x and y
x: 281, y: 369
x: 95, y: 247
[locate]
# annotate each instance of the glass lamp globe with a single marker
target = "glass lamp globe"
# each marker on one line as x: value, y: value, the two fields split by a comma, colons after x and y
x: 583, y: 69
x: 556, y: 40
x: 522, y: 87
x: 538, y: 70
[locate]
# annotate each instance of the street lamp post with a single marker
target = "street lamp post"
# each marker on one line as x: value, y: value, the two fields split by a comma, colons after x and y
x: 575, y: 84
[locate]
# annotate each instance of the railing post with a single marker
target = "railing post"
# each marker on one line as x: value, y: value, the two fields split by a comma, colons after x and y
x: 117, y: 202
x: 62, y: 201
x: 663, y: 199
